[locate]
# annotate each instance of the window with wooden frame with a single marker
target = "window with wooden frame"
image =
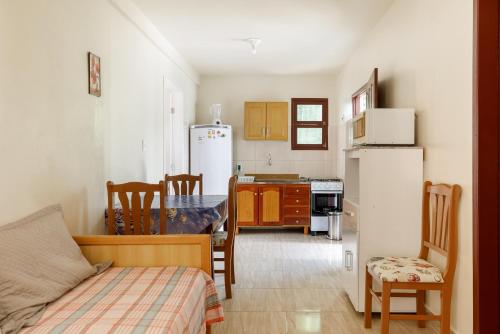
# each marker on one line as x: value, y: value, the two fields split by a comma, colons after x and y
x: 366, y: 97
x: 309, y: 124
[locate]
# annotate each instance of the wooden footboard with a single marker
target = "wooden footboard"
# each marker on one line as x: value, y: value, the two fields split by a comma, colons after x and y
x: 148, y: 250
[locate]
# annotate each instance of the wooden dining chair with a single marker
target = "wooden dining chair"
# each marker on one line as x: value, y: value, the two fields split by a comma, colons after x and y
x: 224, y: 240
x: 184, y: 184
x: 136, y: 211
x: 440, y: 234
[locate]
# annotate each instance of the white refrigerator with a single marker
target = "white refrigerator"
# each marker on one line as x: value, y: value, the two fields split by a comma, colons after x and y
x: 211, y: 153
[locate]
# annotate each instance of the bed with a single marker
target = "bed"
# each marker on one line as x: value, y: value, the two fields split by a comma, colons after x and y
x: 158, y: 284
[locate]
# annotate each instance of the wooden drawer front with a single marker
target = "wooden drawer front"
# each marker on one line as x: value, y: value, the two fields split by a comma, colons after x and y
x: 299, y: 211
x: 296, y: 221
x: 297, y: 201
x: 297, y: 190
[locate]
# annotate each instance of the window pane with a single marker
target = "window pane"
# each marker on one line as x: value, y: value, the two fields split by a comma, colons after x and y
x: 310, y: 136
x: 363, y: 102
x: 309, y: 112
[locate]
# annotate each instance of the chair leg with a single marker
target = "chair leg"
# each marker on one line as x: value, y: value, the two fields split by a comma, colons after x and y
x: 386, y: 307
x: 233, y: 279
x: 421, y: 307
x: 445, y: 310
x: 368, y: 299
x: 227, y: 275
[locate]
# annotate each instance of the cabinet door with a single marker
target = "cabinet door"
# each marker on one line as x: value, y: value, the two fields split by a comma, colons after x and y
x: 277, y: 121
x: 270, y: 205
x: 255, y: 120
x: 247, y: 202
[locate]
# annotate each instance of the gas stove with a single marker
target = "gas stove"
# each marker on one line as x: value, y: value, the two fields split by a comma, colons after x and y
x: 326, y: 197
x: 334, y: 185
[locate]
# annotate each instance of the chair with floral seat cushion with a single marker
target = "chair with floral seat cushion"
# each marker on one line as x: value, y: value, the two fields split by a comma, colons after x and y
x: 223, y: 241
x: 440, y: 234
x: 404, y: 269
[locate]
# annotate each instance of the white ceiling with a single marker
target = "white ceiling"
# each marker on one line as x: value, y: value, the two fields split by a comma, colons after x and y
x: 298, y: 36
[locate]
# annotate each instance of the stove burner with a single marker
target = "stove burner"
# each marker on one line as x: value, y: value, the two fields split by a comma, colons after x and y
x: 319, y: 179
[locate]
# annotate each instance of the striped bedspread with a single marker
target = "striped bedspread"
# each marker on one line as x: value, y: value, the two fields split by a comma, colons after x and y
x: 135, y: 300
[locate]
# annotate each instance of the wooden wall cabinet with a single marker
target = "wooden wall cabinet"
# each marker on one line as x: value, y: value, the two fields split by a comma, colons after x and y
x: 273, y: 205
x: 266, y: 121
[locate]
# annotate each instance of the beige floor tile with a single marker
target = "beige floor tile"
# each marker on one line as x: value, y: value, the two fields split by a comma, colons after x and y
x: 255, y: 300
x: 259, y: 279
x: 322, y: 322
x: 252, y: 323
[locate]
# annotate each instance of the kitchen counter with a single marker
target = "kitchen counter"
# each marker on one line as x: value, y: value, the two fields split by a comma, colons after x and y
x: 274, y: 203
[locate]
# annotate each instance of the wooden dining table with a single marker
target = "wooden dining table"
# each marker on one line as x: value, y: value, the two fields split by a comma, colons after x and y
x: 192, y: 214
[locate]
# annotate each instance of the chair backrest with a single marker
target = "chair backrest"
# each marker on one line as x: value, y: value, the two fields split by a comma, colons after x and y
x: 439, y: 223
x: 184, y: 184
x: 136, y: 212
x: 231, y: 211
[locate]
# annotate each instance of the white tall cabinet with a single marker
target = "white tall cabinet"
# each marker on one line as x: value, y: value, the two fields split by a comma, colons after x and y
x: 382, y: 213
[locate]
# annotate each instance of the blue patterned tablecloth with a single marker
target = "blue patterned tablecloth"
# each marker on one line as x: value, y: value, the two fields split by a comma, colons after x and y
x: 185, y: 214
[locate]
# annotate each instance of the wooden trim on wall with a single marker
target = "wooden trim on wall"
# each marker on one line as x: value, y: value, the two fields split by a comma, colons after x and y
x: 486, y: 166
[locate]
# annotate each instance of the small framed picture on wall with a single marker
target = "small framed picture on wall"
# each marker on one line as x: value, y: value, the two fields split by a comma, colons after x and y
x: 94, y: 74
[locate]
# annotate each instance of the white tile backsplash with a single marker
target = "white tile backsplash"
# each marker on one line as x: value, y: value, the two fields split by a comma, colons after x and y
x: 253, y: 157
x: 277, y: 167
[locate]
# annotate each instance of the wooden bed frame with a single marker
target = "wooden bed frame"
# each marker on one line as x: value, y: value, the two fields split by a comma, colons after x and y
x: 149, y: 251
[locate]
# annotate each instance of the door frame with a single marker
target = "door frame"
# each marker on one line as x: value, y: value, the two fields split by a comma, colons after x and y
x: 486, y: 166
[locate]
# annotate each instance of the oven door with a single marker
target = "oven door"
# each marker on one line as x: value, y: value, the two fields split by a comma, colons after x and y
x: 324, y: 202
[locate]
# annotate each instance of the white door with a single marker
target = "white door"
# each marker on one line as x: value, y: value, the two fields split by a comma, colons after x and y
x: 174, y: 134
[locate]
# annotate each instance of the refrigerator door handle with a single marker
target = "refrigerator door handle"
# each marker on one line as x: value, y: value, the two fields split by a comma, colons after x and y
x: 348, y: 260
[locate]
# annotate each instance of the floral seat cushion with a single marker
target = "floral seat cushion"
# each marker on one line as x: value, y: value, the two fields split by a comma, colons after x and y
x: 218, y: 238
x: 404, y: 269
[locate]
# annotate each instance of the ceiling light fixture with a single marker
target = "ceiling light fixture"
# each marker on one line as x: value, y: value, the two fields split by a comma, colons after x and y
x: 254, y: 42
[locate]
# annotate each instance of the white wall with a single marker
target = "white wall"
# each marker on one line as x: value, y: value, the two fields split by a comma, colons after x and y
x: 58, y: 143
x: 233, y: 91
x: 423, y: 50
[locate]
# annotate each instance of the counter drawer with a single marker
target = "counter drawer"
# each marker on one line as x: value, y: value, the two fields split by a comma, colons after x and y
x: 302, y: 211
x: 297, y: 201
x: 296, y: 221
x: 297, y: 190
